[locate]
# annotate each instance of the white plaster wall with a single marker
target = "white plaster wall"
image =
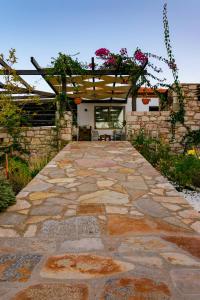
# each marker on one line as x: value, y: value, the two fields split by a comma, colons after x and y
x: 141, y: 107
x: 86, y: 118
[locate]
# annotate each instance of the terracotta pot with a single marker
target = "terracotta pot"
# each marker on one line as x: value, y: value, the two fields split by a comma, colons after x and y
x: 145, y: 101
x: 77, y: 101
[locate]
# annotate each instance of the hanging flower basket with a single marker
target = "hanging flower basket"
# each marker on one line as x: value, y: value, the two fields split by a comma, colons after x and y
x: 145, y: 101
x: 77, y: 101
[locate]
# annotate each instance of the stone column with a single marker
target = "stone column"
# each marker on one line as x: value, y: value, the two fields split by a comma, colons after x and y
x: 66, y: 127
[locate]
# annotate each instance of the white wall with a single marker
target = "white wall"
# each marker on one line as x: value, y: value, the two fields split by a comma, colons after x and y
x: 86, y: 118
x: 141, y: 107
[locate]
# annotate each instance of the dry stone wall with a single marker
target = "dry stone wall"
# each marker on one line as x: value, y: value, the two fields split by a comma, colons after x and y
x: 157, y: 124
x: 42, y: 140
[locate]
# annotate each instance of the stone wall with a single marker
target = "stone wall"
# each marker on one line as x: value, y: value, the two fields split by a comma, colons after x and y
x: 42, y: 140
x: 157, y: 124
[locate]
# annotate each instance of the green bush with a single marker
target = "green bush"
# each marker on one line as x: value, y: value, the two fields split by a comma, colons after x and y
x: 19, y: 173
x: 37, y: 164
x: 7, y: 196
x: 184, y: 170
x: 154, y: 150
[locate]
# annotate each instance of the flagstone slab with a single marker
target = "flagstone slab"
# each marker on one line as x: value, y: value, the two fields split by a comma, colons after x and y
x: 46, y: 210
x: 133, y: 225
x: 17, y: 267
x: 61, y: 180
x: 82, y: 266
x: 104, y: 197
x: 31, y: 231
x: 85, y: 244
x: 90, y: 209
x: 137, y: 182
x: 8, y: 233
x: 176, y: 258
x: 151, y: 261
x: 187, y: 243
x: 53, y: 291
x: 37, y: 186
x: 169, y: 199
x: 20, y: 205
x: 152, y: 208
x: 73, y: 228
x: 187, y: 281
x: 41, y: 195
x: 147, y: 244
x: 95, y: 163
x: 135, y: 288
x: 12, y: 218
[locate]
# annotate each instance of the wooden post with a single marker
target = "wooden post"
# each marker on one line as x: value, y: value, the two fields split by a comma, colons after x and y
x: 133, y: 103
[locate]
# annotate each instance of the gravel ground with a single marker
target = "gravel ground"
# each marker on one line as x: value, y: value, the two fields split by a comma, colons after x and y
x: 193, y: 198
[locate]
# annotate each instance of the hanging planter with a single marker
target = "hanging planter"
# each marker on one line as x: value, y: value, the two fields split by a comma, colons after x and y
x: 77, y: 101
x: 145, y: 101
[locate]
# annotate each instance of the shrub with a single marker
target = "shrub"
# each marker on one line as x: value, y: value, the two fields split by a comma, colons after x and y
x: 154, y: 150
x: 19, y: 173
x: 184, y: 170
x: 37, y: 164
x: 7, y: 196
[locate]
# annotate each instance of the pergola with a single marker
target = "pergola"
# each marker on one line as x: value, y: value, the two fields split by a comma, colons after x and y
x: 91, y: 86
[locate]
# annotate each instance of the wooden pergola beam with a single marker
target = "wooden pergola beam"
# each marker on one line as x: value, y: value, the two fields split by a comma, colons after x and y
x: 13, y: 72
x: 43, y: 74
x: 47, y: 71
x: 19, y: 90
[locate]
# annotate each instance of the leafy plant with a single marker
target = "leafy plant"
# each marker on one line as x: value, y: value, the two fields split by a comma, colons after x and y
x: 7, y: 196
x: 154, y: 150
x: 19, y: 173
x: 191, y: 139
x: 65, y: 65
x: 183, y: 170
x: 37, y: 164
x: 176, y: 116
x: 62, y: 66
x: 12, y: 115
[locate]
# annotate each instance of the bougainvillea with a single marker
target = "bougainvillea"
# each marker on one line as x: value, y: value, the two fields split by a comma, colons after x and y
x: 102, y: 52
x: 140, y: 56
x: 110, y: 61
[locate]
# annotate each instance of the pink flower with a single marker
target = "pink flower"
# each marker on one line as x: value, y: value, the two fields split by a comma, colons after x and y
x: 140, y: 56
x: 110, y: 61
x: 102, y: 52
x: 123, y: 52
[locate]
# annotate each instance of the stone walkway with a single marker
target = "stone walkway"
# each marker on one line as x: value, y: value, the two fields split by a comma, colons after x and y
x: 99, y: 223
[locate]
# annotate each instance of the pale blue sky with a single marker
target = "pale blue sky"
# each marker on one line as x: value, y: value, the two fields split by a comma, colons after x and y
x: 42, y: 28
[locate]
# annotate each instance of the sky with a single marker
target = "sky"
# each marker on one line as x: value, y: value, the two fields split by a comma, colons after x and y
x: 42, y: 28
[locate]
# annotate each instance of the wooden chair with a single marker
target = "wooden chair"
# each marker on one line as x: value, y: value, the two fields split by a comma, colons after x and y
x: 85, y: 133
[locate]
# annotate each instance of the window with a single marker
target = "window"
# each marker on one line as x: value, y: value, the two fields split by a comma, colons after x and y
x: 109, y: 117
x: 153, y: 108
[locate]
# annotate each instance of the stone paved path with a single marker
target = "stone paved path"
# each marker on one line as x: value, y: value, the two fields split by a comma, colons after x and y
x: 99, y: 222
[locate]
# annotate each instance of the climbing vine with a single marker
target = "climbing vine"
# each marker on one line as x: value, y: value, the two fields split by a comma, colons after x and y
x: 62, y: 66
x: 176, y: 116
